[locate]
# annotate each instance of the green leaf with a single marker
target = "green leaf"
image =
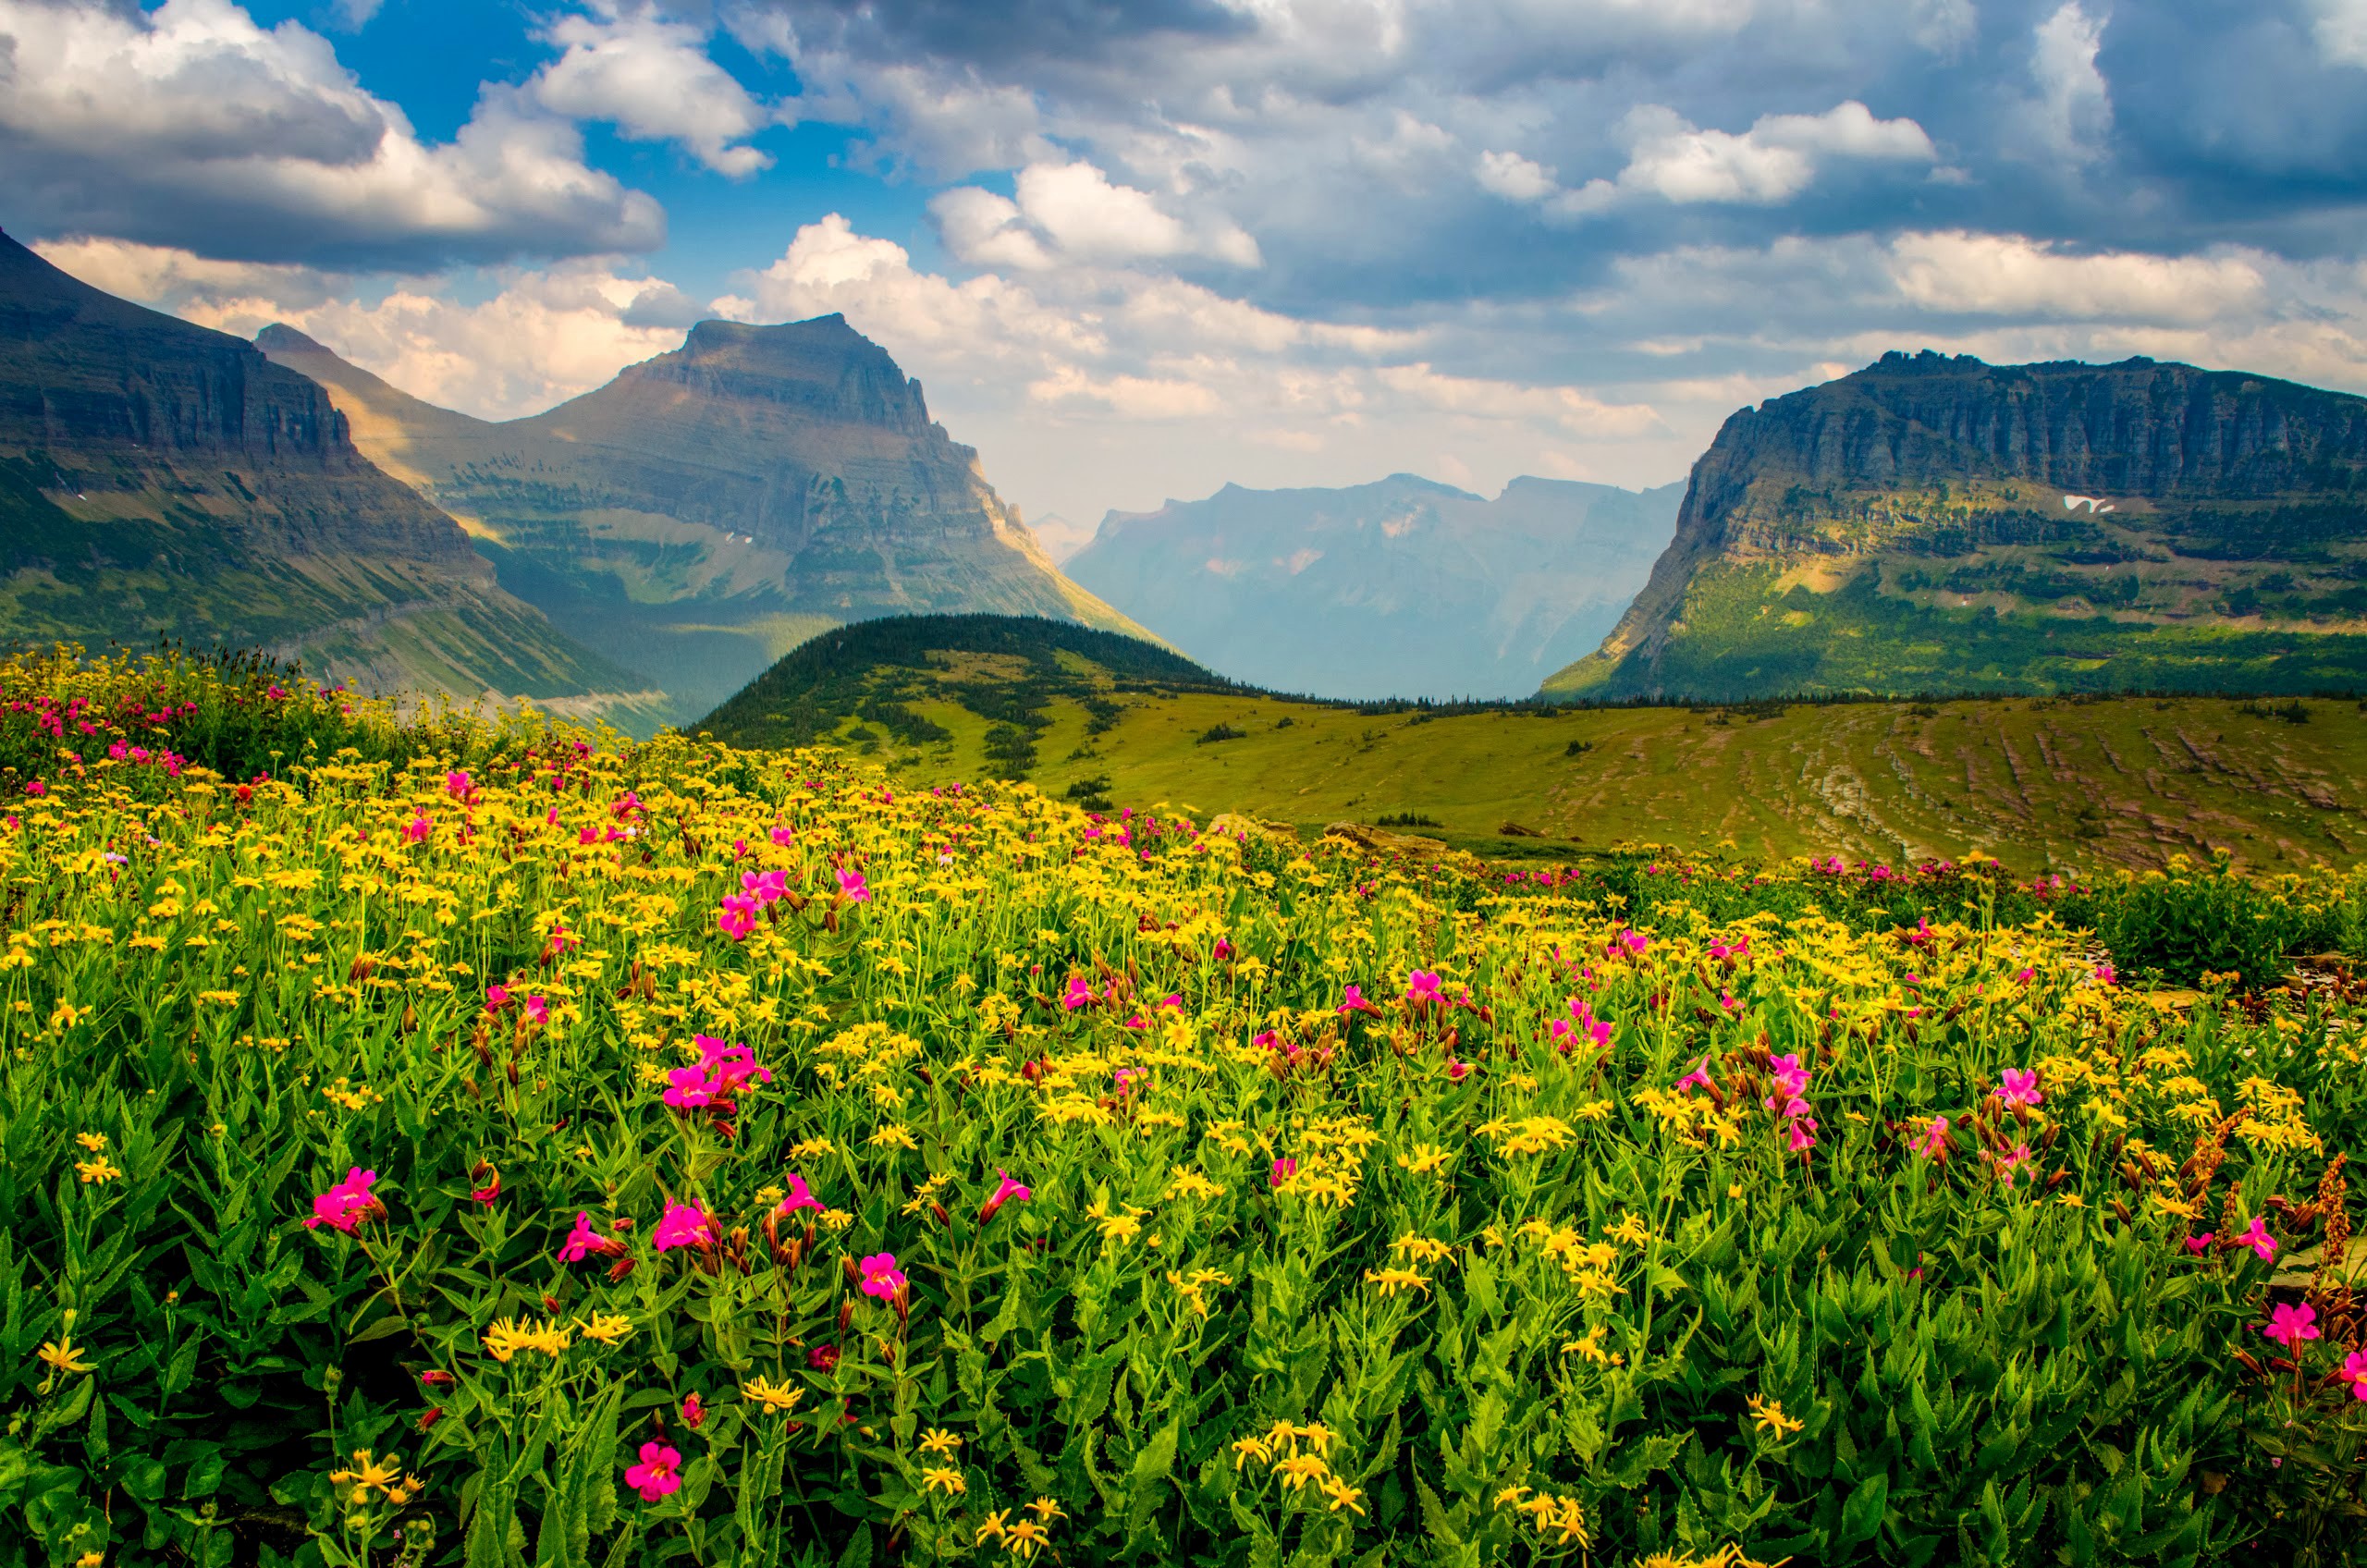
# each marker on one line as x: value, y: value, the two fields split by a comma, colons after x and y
x: 1861, y: 1517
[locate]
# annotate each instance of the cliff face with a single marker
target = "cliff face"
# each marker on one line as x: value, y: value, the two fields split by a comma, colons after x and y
x: 164, y: 480
x: 1400, y: 588
x: 712, y: 508
x: 2147, y: 503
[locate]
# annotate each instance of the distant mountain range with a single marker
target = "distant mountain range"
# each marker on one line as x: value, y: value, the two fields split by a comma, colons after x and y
x: 160, y: 480
x: 1404, y: 587
x: 712, y: 508
x: 1934, y: 523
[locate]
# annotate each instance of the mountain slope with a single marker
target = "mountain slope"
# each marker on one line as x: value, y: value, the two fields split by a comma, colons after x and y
x: 713, y: 506
x: 1404, y: 587
x: 1933, y: 523
x: 161, y: 479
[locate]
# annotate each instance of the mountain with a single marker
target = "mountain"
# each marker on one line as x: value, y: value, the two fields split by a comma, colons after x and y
x: 1933, y: 523
x: 1404, y: 587
x: 161, y: 479
x: 714, y: 507
x: 995, y: 676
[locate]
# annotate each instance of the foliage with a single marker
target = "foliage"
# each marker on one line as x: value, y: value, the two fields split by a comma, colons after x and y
x: 490, y: 1145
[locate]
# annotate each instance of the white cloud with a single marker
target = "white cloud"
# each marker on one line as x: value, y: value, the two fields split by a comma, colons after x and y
x: 1072, y: 213
x: 652, y: 78
x: 2007, y: 274
x: 2074, y: 102
x: 1515, y: 177
x: 2341, y: 30
x: 191, y: 121
x: 1776, y: 159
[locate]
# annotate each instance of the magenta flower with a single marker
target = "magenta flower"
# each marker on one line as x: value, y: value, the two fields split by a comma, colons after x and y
x: 1353, y: 1001
x: 1422, y: 988
x: 2354, y: 1372
x: 1699, y: 1077
x: 800, y: 1197
x: 2025, y: 977
x: 1456, y: 1070
x: 2012, y: 1164
x: 2199, y: 1244
x: 690, y: 1089
x: 1803, y: 1134
x: 1634, y: 941
x: 1284, y: 1168
x: 730, y: 1066
x: 416, y: 830
x: 737, y: 917
x: 851, y: 887
x: 683, y: 1225
x: 763, y: 888
x: 539, y: 1010
x: 584, y: 1242
x: 1078, y: 995
x: 455, y: 784
x: 659, y: 1474
x: 881, y: 1277
x: 2105, y: 972
x: 823, y: 1359
x: 694, y: 1411
x: 2020, y: 1087
x: 1008, y: 1191
x: 1933, y: 1142
x: 2288, y: 1325
x: 2258, y: 1240
x: 784, y: 836
x: 348, y: 1204
x: 495, y: 998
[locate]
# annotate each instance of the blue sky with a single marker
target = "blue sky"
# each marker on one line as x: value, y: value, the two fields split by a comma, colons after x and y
x: 1139, y: 250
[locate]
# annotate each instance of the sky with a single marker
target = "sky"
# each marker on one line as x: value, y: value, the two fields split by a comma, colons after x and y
x: 1137, y: 250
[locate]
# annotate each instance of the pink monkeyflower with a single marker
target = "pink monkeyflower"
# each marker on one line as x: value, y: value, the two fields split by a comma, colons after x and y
x: 1008, y: 1191
x: 730, y: 1065
x: 823, y: 1358
x: 694, y: 1411
x: 737, y: 918
x: 784, y: 836
x: 2199, y: 1244
x: 2258, y: 1240
x: 2025, y: 977
x: 690, y: 1089
x: 2354, y: 1372
x: 881, y: 1277
x: 416, y: 830
x: 2288, y: 1325
x: 765, y: 887
x: 1124, y: 1078
x: 1353, y: 1001
x: 495, y: 998
x: 584, y: 1242
x: 539, y: 1010
x: 2020, y: 1087
x: 659, y: 1474
x: 348, y: 1204
x: 853, y: 889
x: 1933, y: 1141
x: 1422, y: 988
x: 683, y: 1225
x: 491, y: 1191
x: 1457, y: 1070
x: 1634, y: 941
x: 2105, y: 972
x: 1224, y: 951
x: 800, y: 1197
x: 1727, y: 1000
x: 1284, y: 1168
x: 457, y: 784
x: 1700, y: 1076
x: 1078, y: 995
x: 1802, y: 1130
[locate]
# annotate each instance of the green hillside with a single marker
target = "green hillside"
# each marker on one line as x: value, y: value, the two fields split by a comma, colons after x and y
x: 2042, y: 783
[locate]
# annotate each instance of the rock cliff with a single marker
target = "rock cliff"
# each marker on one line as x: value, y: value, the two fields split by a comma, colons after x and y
x: 1939, y: 524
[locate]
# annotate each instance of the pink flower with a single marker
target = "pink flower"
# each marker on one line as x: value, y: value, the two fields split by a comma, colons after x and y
x: 737, y: 917
x: 823, y: 1358
x: 1284, y: 1168
x: 2026, y: 977
x: 584, y: 1242
x: 1457, y: 1070
x: 730, y: 1066
x: 1700, y: 1077
x: 2289, y: 1326
x: 1078, y: 995
x: 1803, y: 1134
x: 416, y: 830
x: 693, y: 1411
x: 2013, y: 1162
x: 659, y: 1474
x: 1422, y: 988
x: 2020, y: 1088
x: 763, y: 888
x: 2354, y: 1372
x: 800, y: 1197
x: 1634, y: 941
x: 852, y: 888
x: 683, y: 1225
x: 881, y: 1277
x: 2258, y: 1240
x: 495, y: 998
x: 539, y: 1010
x: 1933, y: 1142
x: 1353, y: 1001
x: 2199, y: 1244
x: 457, y: 785
x: 784, y: 836
x: 2105, y: 972
x: 348, y: 1204
x: 690, y: 1089
x: 1010, y: 1192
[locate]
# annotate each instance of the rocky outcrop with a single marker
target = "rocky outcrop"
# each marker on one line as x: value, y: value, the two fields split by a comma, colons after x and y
x: 710, y: 507
x: 1404, y: 587
x: 2024, y: 478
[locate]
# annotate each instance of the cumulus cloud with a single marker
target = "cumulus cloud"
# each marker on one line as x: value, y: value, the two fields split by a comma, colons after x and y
x: 651, y: 77
x: 2340, y: 26
x: 1073, y: 212
x: 2008, y: 274
x: 2074, y: 102
x: 190, y: 125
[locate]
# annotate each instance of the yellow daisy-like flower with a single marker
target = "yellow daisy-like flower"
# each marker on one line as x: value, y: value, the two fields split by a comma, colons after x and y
x: 776, y: 1398
x: 1423, y: 1159
x: 1630, y: 1231
x: 992, y: 1529
x: 63, y: 1354
x: 1421, y: 1249
x: 606, y: 1327
x: 99, y: 1170
x: 1395, y: 1281
x: 937, y: 1478
x: 1047, y: 1509
x: 91, y: 1141
x: 1338, y: 1495
x: 939, y: 1440
x: 510, y: 1335
x: 1246, y: 1448
x: 1026, y: 1539
x: 1301, y: 1468
x: 1769, y: 1417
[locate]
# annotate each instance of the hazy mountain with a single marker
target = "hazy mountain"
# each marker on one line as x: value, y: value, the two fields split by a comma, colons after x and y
x: 1400, y: 588
x: 160, y: 480
x: 1932, y: 523
x: 712, y: 508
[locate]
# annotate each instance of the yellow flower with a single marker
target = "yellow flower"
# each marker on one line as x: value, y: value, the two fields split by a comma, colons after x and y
x: 368, y: 1472
x: 1027, y: 1537
x: 1395, y: 1281
x: 775, y: 1397
x: 91, y: 1141
x: 938, y: 1440
x: 1630, y: 1230
x: 1301, y: 1468
x: 99, y: 1170
x: 510, y: 1335
x: 1341, y: 1495
x: 1421, y: 1249
x: 90, y: 1560
x: 1247, y: 1448
x: 992, y: 1530
x: 1423, y: 1158
x: 1589, y: 1347
x: 1769, y: 1417
x: 940, y: 1478
x: 1044, y: 1508
x: 608, y: 1329
x: 1509, y: 1497
x: 63, y: 1354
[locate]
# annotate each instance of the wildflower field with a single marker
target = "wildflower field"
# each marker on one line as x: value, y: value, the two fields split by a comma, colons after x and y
x: 438, y: 1140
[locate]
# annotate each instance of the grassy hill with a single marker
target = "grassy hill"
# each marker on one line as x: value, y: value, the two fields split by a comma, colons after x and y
x: 2042, y: 783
